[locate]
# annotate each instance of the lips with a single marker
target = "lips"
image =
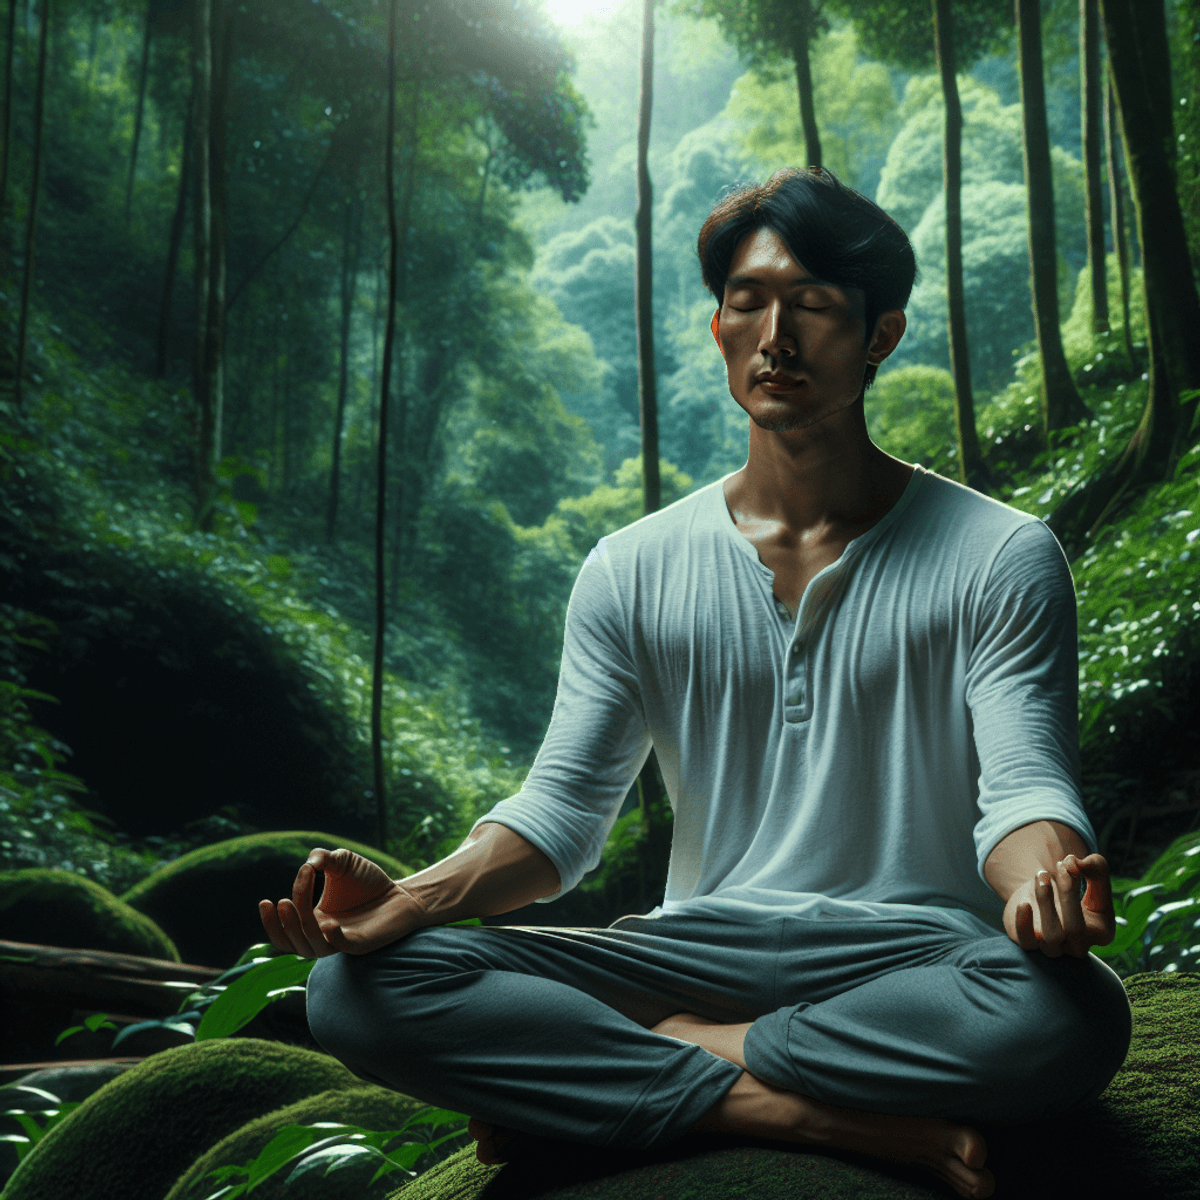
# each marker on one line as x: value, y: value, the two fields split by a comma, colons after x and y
x: 777, y: 382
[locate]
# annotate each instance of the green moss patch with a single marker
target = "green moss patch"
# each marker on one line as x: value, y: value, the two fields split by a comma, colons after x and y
x: 137, y: 1134
x: 208, y: 900
x: 1140, y: 1138
x: 369, y: 1106
x: 58, y: 908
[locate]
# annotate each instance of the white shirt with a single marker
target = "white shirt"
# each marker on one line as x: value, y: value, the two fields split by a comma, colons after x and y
x: 863, y: 759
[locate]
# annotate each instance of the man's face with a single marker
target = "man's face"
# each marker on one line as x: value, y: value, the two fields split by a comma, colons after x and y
x: 795, y: 347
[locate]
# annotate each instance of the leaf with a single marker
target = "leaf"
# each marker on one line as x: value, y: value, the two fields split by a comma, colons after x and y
x: 287, y: 1144
x: 99, y: 1021
x: 66, y: 1033
x: 245, y: 998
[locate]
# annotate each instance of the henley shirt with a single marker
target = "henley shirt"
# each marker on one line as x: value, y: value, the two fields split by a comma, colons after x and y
x: 860, y: 760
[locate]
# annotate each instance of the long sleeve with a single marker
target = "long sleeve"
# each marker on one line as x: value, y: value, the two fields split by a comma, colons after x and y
x: 1022, y: 690
x: 597, y: 740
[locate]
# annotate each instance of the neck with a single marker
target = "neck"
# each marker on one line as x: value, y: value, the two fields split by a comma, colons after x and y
x: 829, y: 475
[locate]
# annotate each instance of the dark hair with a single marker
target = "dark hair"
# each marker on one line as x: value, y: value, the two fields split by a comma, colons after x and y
x: 835, y: 232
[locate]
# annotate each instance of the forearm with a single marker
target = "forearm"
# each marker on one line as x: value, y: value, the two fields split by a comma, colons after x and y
x: 1038, y: 846
x: 494, y: 871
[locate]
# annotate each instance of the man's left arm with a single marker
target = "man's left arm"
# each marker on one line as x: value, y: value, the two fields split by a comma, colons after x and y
x: 1039, y: 871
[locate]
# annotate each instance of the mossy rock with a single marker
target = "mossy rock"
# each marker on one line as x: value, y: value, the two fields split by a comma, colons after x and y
x: 207, y: 900
x: 140, y: 1132
x: 1140, y: 1138
x: 59, y: 908
x: 369, y: 1106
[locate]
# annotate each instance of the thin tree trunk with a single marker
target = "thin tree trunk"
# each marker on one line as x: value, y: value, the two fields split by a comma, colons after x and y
x: 173, y: 247
x: 1117, y: 209
x: 39, y: 109
x: 644, y: 299
x: 6, y: 119
x: 137, y: 119
x: 1061, y: 403
x: 349, y: 279
x: 1091, y: 90
x: 801, y: 37
x: 972, y: 470
x: 381, y: 463
x: 202, y: 66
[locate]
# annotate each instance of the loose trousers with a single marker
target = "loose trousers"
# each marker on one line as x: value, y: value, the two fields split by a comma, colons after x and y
x: 547, y: 1030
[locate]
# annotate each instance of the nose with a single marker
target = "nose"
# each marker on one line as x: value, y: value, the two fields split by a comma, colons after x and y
x: 776, y: 338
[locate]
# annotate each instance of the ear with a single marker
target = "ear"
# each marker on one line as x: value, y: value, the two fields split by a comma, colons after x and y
x: 889, y: 329
x: 714, y: 326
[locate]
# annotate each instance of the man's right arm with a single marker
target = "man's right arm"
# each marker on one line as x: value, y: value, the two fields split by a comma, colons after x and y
x: 361, y: 909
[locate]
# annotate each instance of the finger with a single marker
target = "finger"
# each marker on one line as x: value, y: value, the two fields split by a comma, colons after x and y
x: 275, y: 931
x: 1070, y: 911
x: 1026, y: 935
x: 1047, y: 916
x: 302, y: 900
x: 1095, y: 870
x: 301, y: 944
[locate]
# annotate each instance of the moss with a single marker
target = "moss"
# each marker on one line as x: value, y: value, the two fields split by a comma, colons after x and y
x: 58, y: 908
x: 1140, y: 1138
x: 139, y: 1132
x: 208, y: 900
x: 368, y: 1106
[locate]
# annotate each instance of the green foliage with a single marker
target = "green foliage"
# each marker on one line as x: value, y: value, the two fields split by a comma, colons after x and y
x: 1158, y: 916
x: 910, y: 413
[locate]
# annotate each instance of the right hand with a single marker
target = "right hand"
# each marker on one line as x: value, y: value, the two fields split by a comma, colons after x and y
x: 361, y: 908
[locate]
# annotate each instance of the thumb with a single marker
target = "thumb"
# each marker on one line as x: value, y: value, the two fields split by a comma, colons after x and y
x: 351, y: 881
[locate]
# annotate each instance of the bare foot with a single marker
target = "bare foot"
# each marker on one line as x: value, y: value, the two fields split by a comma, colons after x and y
x: 756, y: 1109
x: 494, y: 1144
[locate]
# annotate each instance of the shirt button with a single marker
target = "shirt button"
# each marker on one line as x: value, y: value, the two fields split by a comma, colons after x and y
x: 795, y: 647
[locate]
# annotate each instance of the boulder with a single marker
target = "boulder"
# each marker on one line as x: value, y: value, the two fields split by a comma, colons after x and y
x: 208, y: 899
x: 134, y: 1137
x: 59, y: 908
x: 1140, y: 1138
x: 369, y: 1106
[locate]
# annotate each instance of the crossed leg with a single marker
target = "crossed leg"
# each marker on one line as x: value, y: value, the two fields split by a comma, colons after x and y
x: 752, y: 1108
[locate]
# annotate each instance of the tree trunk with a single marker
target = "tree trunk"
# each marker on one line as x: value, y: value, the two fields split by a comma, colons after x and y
x: 6, y: 119
x: 644, y: 299
x: 137, y: 118
x: 1091, y: 88
x: 1117, y: 209
x: 1140, y: 64
x: 176, y: 241
x: 349, y: 279
x: 39, y: 109
x: 970, y: 458
x: 801, y: 37
x: 1061, y: 404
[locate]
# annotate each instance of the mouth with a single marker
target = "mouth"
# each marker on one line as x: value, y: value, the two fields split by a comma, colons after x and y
x: 775, y: 383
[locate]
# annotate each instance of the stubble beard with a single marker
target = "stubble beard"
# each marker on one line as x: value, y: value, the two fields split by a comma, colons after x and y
x: 786, y: 422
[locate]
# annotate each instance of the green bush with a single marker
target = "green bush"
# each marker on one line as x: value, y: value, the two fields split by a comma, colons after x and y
x: 57, y: 908
x: 369, y: 1106
x: 208, y: 899
x: 138, y: 1134
x: 910, y: 413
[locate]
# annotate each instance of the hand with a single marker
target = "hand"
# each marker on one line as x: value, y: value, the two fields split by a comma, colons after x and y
x: 1048, y: 914
x: 361, y: 908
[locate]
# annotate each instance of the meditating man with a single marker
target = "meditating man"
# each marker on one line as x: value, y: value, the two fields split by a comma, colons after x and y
x: 859, y: 679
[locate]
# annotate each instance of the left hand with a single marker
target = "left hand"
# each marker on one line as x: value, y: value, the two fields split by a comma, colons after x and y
x: 1048, y: 913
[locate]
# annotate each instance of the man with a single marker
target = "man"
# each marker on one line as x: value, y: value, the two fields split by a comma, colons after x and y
x: 860, y: 682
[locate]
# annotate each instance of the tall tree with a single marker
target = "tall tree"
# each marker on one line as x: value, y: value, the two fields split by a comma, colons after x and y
x: 39, y: 111
x: 1116, y: 204
x: 1139, y: 57
x: 6, y: 117
x: 389, y: 337
x: 1061, y: 402
x: 1091, y: 86
x: 143, y: 72
x: 767, y: 32
x: 644, y: 294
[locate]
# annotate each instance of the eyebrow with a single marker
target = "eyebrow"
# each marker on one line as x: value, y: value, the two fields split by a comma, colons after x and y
x: 803, y: 281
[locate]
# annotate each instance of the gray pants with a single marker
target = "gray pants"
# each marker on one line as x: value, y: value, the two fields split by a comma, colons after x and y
x: 547, y: 1030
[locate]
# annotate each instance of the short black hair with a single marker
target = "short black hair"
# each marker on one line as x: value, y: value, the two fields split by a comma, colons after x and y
x: 835, y: 232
